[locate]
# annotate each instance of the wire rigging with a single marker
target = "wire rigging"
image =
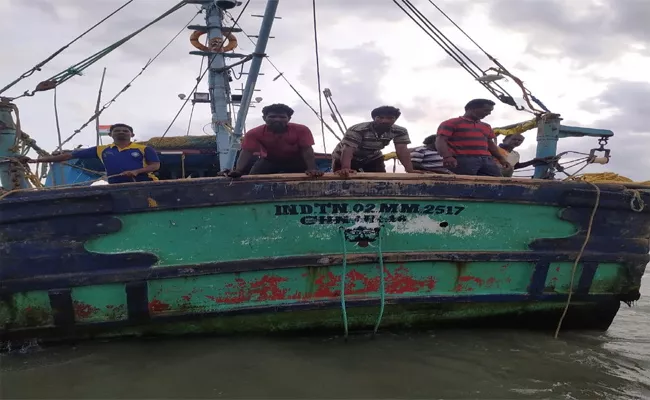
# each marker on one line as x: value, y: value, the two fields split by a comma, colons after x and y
x: 333, y: 114
x: 454, y: 52
x: 189, y: 123
x: 461, y: 29
x: 207, y: 68
x: 318, y: 79
x: 467, y: 63
x: 56, y: 119
x: 281, y: 75
x: 128, y: 85
x: 79, y: 67
x: 41, y: 64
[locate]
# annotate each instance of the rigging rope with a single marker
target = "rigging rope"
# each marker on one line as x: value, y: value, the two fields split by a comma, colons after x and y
x: 207, y: 68
x: 98, y: 139
x: 331, y: 105
x: 320, y: 94
x: 189, y: 123
x: 281, y: 75
x: 462, y: 31
x: 441, y: 40
x: 56, y: 119
x: 338, y: 113
x: 459, y: 56
x: 501, y: 69
x: 58, y: 134
x: 128, y: 85
x: 40, y: 65
x: 79, y: 67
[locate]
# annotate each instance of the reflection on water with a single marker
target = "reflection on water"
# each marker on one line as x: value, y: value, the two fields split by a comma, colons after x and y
x: 449, y: 364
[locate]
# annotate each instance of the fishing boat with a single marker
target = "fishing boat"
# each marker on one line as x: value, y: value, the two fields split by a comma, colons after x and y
x: 288, y: 253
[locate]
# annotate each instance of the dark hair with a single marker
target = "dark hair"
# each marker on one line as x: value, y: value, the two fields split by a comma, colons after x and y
x: 429, y: 140
x: 385, y: 111
x: 277, y: 108
x: 510, y: 137
x: 478, y: 103
x: 114, y: 126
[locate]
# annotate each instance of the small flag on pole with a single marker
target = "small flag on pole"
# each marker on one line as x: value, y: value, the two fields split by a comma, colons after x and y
x: 104, y: 130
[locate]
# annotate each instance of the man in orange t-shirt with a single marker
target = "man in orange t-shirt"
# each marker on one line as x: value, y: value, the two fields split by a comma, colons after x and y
x: 284, y: 147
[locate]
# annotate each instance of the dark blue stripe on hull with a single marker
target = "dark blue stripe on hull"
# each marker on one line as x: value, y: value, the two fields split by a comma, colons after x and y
x: 220, y: 191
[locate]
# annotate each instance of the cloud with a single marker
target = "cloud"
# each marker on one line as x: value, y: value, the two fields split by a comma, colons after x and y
x: 358, y: 70
x: 630, y: 102
x: 570, y: 54
x: 567, y: 29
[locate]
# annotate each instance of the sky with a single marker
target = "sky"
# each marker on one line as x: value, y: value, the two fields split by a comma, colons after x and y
x: 585, y: 59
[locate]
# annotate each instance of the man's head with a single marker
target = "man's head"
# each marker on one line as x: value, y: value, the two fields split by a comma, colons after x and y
x: 121, y: 132
x: 384, y: 117
x: 430, y: 142
x: 512, y: 141
x: 277, y: 116
x: 479, y: 108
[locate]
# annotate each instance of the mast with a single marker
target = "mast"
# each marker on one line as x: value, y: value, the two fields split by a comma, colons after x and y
x: 228, y: 161
x: 218, y: 78
x: 99, y: 100
x: 12, y: 176
x: 228, y: 143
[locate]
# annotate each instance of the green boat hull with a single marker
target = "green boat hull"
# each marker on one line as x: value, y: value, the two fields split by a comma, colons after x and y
x: 286, y: 254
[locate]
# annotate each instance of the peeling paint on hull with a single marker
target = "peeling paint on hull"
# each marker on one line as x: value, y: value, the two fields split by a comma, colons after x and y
x: 127, y: 260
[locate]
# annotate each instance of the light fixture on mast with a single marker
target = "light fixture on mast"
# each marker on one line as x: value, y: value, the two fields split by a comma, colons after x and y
x: 201, y: 97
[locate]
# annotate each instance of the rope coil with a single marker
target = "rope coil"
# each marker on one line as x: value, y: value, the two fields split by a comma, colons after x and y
x: 636, y: 203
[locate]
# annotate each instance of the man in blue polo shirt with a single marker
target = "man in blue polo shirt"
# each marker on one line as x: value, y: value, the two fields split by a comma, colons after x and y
x: 124, y: 160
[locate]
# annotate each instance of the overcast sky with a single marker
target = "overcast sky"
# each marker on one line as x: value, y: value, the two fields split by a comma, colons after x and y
x: 586, y: 59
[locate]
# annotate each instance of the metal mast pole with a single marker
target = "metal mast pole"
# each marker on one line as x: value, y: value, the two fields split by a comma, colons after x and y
x: 218, y: 81
x: 265, y: 30
x: 99, y: 100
